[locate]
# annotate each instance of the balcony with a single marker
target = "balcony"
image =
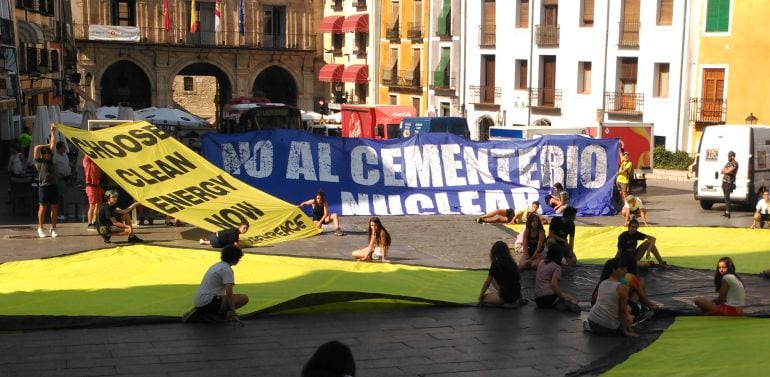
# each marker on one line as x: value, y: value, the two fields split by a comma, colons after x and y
x: 337, y: 5
x: 705, y: 110
x: 444, y: 26
x: 360, y: 5
x: 544, y: 99
x: 485, y: 95
x: 414, y: 33
x: 6, y: 32
x: 182, y: 37
x: 547, y: 35
x: 337, y: 50
x: 359, y: 51
x: 403, y: 79
x: 442, y: 80
x: 392, y: 34
x: 629, y: 34
x: 487, y: 36
x: 624, y: 103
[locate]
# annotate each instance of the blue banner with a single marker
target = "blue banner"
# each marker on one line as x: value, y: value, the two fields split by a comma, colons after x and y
x: 428, y: 173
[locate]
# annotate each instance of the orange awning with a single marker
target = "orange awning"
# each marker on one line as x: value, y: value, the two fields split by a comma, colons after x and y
x: 332, y: 24
x: 357, y: 73
x: 331, y: 73
x: 356, y: 23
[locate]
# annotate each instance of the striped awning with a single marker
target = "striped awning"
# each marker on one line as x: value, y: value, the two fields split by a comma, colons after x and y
x: 332, y: 24
x: 331, y: 73
x: 357, y: 73
x: 357, y: 23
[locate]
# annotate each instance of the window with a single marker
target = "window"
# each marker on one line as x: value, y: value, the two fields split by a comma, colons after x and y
x: 521, y: 74
x: 123, y: 12
x: 660, y: 86
x: 665, y: 12
x: 189, y: 85
x: 338, y: 40
x: 587, y: 13
x: 444, y: 109
x: 390, y: 75
x: 362, y: 40
x: 416, y: 104
x: 717, y: 16
x: 584, y: 77
x: 54, y: 61
x: 393, y: 99
x: 522, y: 14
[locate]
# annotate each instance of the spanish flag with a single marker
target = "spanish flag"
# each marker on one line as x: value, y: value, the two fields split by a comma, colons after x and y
x: 193, y: 17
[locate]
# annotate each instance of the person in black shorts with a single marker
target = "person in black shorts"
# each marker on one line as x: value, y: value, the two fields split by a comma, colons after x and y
x: 225, y: 237
x: 111, y: 220
x: 561, y: 233
x: 627, y: 244
x: 511, y: 216
x: 321, y: 215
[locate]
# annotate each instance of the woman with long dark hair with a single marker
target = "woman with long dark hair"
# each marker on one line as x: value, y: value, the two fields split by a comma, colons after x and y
x: 379, y: 241
x: 502, y: 285
x: 321, y: 215
x: 731, y: 293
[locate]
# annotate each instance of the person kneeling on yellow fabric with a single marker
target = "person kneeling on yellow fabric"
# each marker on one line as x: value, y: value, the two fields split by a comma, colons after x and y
x: 214, y: 300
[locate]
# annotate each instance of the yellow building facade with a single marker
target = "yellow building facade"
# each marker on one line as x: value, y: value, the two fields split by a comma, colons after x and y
x: 403, y: 63
x: 728, y: 81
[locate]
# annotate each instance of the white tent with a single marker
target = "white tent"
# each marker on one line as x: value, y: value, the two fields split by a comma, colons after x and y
x: 107, y: 112
x: 335, y: 118
x: 311, y: 116
x: 126, y: 113
x: 170, y: 117
x: 71, y: 119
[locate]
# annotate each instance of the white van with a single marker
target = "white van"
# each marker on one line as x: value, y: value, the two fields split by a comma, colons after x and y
x: 751, y: 145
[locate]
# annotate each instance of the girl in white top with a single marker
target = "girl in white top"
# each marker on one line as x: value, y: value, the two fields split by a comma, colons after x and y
x: 732, y: 295
x: 610, y: 314
x: 379, y: 241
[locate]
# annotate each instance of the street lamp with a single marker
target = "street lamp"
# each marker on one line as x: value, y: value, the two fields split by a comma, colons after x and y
x: 751, y: 119
x: 338, y: 88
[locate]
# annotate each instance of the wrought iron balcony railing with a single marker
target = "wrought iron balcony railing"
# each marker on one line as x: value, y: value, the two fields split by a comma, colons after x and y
x: 226, y: 38
x: 402, y: 79
x: 336, y: 5
x: 545, y: 98
x: 485, y: 95
x: 392, y: 34
x: 547, y: 35
x: 360, y: 5
x: 415, y: 31
x: 442, y: 80
x: 706, y: 110
x: 624, y: 103
x: 487, y: 35
x: 629, y: 34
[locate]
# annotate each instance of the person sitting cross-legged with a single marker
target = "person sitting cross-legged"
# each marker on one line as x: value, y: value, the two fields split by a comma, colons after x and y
x: 627, y: 244
x: 114, y: 221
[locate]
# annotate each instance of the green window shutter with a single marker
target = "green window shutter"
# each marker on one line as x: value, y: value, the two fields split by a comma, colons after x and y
x: 441, y: 77
x: 718, y: 16
x: 444, y: 18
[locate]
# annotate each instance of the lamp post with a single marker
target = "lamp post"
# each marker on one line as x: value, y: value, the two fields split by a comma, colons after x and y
x: 338, y: 87
x: 751, y: 119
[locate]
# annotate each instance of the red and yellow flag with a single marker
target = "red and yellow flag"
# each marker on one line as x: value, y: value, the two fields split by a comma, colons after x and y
x: 217, y: 16
x: 193, y: 17
x: 166, y: 16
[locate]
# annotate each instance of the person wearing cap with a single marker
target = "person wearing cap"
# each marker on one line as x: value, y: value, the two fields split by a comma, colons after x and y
x: 48, y: 182
x: 623, y: 180
x: 728, y: 180
x: 112, y: 220
x: 634, y: 206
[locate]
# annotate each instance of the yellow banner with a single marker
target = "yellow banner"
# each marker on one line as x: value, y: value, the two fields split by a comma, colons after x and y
x: 163, y: 174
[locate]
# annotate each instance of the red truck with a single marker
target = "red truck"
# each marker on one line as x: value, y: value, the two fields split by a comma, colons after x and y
x: 374, y: 121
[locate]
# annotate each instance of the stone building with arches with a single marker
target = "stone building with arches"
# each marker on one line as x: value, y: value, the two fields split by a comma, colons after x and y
x: 137, y: 53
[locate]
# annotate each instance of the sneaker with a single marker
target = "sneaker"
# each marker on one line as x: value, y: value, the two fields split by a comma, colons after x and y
x: 40, y: 233
x: 106, y: 239
x: 339, y: 232
x: 54, y: 234
x: 91, y: 227
x: 135, y: 239
x: 479, y: 220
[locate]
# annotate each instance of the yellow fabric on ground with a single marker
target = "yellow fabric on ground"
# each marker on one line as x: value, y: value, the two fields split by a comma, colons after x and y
x: 694, y: 247
x: 142, y: 280
x: 704, y: 346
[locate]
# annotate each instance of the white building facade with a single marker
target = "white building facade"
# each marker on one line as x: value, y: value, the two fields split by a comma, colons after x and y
x: 444, y: 58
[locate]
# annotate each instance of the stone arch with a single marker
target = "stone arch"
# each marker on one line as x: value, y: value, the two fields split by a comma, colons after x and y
x: 125, y: 82
x: 483, y: 124
x: 181, y: 64
x: 277, y: 83
x: 224, y: 86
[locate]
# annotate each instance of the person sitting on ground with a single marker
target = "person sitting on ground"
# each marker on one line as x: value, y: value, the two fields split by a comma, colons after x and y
x: 511, y: 216
x: 562, y: 232
x: 548, y: 293
x: 762, y: 215
x: 635, y: 207
x: 610, y: 314
x: 227, y: 237
x: 502, y: 285
x: 214, y: 300
x: 558, y: 199
x: 379, y: 241
x: 532, y: 242
x: 330, y: 359
x: 114, y: 221
x: 321, y: 215
x: 627, y: 244
x: 638, y: 300
x: 731, y: 292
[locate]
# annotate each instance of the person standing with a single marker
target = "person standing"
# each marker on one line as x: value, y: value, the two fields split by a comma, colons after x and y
x: 623, y: 181
x: 48, y: 191
x: 94, y: 191
x: 728, y: 180
x: 61, y: 162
